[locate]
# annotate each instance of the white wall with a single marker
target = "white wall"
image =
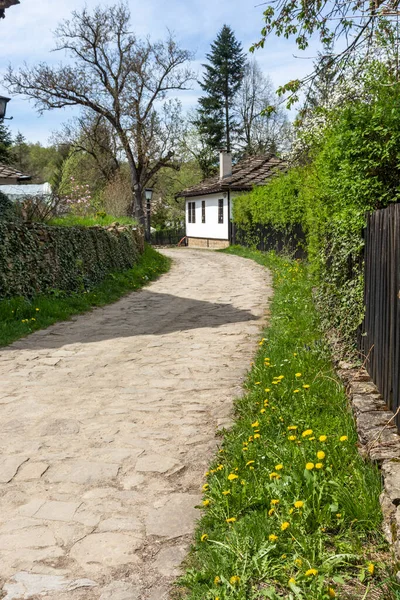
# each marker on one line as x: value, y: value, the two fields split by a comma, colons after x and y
x: 211, y: 228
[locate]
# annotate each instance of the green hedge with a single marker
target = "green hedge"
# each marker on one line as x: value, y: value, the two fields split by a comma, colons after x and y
x: 38, y: 259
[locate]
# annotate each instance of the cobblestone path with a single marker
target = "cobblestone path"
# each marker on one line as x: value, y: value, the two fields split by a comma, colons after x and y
x: 107, y: 425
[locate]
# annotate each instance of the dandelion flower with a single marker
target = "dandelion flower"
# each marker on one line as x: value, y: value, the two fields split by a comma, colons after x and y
x: 322, y: 438
x: 311, y: 572
x: 306, y: 386
x: 278, y: 467
x: 320, y: 455
x: 250, y: 462
x: 371, y: 568
x: 307, y: 432
x: 217, y: 580
x: 274, y: 502
x: 233, y: 476
x: 255, y: 424
x: 204, y: 537
x: 206, y: 487
x: 310, y: 466
x: 273, y: 475
x: 298, y: 374
x: 226, y: 492
x: 292, y: 581
x: 319, y: 466
x: 262, y: 411
x: 267, y: 390
x: 296, y: 391
x: 299, y: 504
x: 331, y: 593
x: 272, y: 537
x: 231, y: 520
x: 344, y: 438
x: 292, y: 427
x: 234, y: 580
x: 206, y: 502
x: 298, y: 562
x: 256, y: 436
x: 285, y: 526
x: 271, y: 512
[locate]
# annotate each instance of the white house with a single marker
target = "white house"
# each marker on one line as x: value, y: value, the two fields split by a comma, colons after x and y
x: 208, y: 204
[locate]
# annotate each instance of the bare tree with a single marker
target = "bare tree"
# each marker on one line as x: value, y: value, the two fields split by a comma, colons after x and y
x: 119, y: 77
x: 259, y: 131
x: 92, y: 134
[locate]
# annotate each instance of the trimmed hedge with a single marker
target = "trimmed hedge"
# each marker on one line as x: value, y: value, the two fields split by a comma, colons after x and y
x: 40, y: 259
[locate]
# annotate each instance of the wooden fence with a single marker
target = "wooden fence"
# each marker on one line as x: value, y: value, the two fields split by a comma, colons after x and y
x: 379, y: 336
x: 265, y: 238
x: 167, y: 237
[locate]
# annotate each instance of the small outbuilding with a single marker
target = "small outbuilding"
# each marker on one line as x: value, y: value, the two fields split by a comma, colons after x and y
x: 208, y: 205
x: 11, y: 176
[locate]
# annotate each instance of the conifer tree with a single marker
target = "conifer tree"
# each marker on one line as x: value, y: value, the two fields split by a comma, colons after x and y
x: 5, y: 144
x: 222, y: 79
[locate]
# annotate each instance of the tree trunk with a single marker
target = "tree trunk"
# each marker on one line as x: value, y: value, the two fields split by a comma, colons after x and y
x: 228, y: 133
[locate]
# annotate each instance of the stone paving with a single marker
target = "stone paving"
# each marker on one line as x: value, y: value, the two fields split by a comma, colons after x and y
x: 108, y: 423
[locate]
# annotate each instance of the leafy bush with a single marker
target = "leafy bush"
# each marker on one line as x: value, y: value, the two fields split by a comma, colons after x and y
x: 37, y: 259
x: 6, y: 208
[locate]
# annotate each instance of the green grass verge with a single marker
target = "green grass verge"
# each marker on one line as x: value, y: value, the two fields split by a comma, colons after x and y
x: 19, y: 316
x: 290, y: 508
x: 74, y: 221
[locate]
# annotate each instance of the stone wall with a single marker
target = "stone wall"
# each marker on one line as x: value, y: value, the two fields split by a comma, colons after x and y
x: 207, y: 243
x: 40, y: 259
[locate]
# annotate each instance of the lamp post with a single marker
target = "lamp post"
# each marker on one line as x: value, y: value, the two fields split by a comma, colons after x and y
x: 3, y: 107
x: 149, y: 195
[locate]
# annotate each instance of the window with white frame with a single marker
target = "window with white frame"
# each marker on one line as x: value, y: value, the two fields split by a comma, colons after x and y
x: 191, y: 212
x: 220, y: 211
x: 203, y: 211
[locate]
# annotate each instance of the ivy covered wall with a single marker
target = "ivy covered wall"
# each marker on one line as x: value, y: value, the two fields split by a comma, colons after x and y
x: 40, y: 259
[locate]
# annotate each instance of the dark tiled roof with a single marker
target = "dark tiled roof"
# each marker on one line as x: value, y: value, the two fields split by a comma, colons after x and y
x: 7, y: 172
x: 247, y: 173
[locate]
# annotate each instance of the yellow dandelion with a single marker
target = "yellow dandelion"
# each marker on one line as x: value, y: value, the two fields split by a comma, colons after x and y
x: 292, y: 427
x: 267, y: 390
x: 256, y: 436
x: 292, y: 438
x: 344, y: 438
x: 285, y: 526
x: 322, y: 438
x: 371, y: 568
x: 262, y: 411
x: 271, y: 512
x: 298, y: 374
x: 320, y: 455
x: 278, y: 467
x: 292, y: 581
x: 226, y: 492
x: 206, y: 487
x: 311, y: 572
x: 250, y: 462
x: 206, y: 502
x: 280, y: 377
x: 233, y: 476
x: 257, y: 383
x: 299, y: 504
x: 307, y: 432
x: 231, y: 520
x: 331, y: 593
x: 306, y: 386
x: 255, y: 424
x: 275, y: 382
x: 217, y: 580
x: 298, y: 562
x: 204, y: 537
x: 339, y: 515
x: 319, y: 466
x: 310, y: 466
x: 296, y: 391
x: 234, y: 580
x: 272, y: 537
x: 273, y: 475
x: 274, y: 502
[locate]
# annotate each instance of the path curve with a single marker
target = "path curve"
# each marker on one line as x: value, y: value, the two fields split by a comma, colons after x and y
x: 108, y: 423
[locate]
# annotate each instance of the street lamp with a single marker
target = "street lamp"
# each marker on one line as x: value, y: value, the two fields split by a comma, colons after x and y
x: 3, y: 106
x: 148, y: 192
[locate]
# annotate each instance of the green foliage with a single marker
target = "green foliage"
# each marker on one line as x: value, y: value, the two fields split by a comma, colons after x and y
x: 6, y: 208
x: 36, y: 259
x: 100, y: 219
x: 222, y: 79
x: 20, y: 316
x: 277, y: 455
x: 5, y: 144
x: 355, y: 168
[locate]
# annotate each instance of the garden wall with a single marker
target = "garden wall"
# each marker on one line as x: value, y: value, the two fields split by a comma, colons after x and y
x: 37, y: 259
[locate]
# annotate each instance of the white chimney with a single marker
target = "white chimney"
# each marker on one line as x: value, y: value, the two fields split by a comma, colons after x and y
x: 225, y: 164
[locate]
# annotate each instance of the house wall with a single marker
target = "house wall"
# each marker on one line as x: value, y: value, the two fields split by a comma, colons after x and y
x: 211, y: 229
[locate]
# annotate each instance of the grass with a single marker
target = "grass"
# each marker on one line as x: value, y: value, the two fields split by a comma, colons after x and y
x: 20, y: 317
x: 103, y: 220
x: 290, y: 509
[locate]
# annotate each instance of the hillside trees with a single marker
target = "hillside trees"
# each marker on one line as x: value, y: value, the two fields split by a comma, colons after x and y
x: 5, y: 144
x: 121, y: 78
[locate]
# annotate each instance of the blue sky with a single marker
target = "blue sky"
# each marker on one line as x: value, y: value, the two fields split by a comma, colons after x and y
x: 26, y: 35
